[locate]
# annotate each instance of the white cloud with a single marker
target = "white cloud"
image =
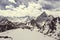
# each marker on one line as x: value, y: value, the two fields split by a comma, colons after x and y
x: 31, y: 10
x: 15, y: 3
x: 12, y: 1
x: 54, y: 13
x: 53, y: 7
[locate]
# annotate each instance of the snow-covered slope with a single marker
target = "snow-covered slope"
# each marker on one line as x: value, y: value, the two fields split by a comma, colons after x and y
x: 20, y: 34
x: 20, y: 19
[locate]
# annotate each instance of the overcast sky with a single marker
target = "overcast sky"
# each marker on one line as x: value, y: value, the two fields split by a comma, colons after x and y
x: 28, y: 7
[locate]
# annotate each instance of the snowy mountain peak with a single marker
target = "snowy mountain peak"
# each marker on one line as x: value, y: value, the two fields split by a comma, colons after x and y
x: 44, y: 14
x: 42, y: 17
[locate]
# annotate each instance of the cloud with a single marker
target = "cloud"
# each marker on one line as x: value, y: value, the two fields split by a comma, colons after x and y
x: 25, y: 2
x: 46, y: 4
x: 14, y: 3
x: 51, y: 4
x: 52, y: 0
x: 20, y: 8
x: 31, y: 10
x: 47, y: 7
x: 4, y: 3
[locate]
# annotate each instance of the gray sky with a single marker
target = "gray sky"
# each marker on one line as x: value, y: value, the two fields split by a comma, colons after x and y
x: 4, y: 3
x: 29, y: 7
x: 51, y: 4
x: 46, y: 4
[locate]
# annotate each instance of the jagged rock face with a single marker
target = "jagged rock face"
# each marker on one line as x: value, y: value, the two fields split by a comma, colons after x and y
x: 33, y: 22
x: 50, y: 18
x: 54, y: 25
x: 42, y: 17
x: 5, y: 25
x: 5, y: 21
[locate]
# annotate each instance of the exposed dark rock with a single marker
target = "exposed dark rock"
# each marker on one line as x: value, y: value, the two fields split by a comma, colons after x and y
x: 5, y: 25
x: 42, y: 17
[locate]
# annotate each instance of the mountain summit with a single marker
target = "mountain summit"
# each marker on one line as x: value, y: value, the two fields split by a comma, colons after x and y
x: 43, y: 14
x: 42, y: 17
x: 5, y: 25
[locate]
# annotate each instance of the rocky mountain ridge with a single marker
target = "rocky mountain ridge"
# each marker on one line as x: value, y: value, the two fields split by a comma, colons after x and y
x: 42, y: 23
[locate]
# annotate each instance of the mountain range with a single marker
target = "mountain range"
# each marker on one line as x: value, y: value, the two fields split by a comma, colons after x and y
x: 15, y: 21
x: 28, y: 22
